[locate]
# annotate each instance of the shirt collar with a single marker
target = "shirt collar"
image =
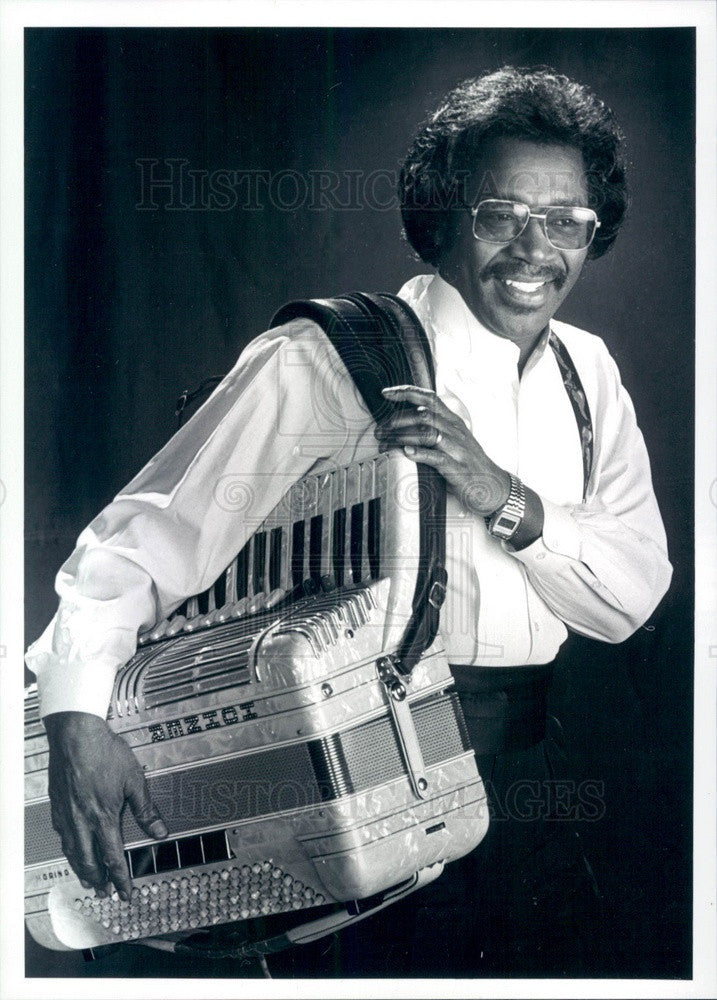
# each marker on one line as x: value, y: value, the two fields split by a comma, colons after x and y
x: 442, y: 309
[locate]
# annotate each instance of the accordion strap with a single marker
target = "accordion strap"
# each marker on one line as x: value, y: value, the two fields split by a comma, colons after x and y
x: 381, y: 342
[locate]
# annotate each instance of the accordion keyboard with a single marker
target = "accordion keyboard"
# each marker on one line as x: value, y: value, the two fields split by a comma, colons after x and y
x: 292, y: 768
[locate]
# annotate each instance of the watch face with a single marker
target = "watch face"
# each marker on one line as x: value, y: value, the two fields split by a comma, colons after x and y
x: 505, y: 525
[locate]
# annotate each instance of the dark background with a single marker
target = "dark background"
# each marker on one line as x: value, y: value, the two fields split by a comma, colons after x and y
x: 127, y: 307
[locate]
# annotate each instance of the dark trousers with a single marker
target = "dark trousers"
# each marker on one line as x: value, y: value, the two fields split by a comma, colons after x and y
x: 525, y: 902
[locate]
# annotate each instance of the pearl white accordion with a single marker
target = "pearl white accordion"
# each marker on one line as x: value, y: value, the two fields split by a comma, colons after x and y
x: 296, y: 721
x: 294, y: 765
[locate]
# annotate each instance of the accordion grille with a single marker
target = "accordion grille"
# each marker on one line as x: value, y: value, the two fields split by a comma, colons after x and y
x: 279, y: 779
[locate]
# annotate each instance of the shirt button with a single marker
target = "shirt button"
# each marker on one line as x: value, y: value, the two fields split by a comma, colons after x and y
x: 540, y: 555
x: 536, y: 626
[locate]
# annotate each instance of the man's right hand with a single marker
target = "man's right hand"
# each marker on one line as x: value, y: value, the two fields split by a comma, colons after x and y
x: 92, y: 773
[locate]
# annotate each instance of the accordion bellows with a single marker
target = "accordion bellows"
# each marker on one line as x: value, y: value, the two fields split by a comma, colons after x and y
x: 293, y: 765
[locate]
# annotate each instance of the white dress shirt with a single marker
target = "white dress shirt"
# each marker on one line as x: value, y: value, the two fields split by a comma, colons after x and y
x: 288, y: 406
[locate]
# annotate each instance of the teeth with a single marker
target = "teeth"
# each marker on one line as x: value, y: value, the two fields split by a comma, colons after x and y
x: 525, y: 286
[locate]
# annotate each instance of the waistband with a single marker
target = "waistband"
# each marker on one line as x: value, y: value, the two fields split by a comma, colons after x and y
x: 505, y: 708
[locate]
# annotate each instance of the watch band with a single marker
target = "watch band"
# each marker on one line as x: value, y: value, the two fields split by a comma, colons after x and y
x: 507, y: 519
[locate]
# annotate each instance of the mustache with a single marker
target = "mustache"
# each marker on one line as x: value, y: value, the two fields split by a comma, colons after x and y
x: 516, y: 271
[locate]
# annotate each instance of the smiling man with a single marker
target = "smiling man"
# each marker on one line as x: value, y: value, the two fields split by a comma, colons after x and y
x: 516, y: 256
x: 508, y: 189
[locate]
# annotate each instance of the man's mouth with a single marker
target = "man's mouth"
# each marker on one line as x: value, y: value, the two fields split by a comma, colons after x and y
x: 524, y: 293
x: 524, y: 286
x: 522, y: 290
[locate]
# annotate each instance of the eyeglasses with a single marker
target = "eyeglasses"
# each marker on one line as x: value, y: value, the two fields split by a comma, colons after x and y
x: 566, y: 227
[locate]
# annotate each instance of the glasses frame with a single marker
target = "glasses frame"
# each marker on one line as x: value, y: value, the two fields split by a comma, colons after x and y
x: 531, y: 215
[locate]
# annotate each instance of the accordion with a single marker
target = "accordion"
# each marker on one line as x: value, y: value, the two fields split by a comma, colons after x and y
x: 293, y: 764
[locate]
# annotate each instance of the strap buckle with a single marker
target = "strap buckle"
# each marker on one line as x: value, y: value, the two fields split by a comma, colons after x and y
x: 437, y: 594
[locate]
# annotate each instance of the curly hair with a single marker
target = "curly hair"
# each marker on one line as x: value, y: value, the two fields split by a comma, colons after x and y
x: 532, y: 103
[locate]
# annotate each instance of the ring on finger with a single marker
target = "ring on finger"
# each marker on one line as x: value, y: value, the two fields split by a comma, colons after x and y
x: 439, y: 438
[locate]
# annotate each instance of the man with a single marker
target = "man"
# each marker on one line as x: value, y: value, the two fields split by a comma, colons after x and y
x: 513, y: 183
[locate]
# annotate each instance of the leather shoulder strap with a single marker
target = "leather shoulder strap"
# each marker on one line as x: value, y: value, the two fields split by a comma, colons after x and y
x: 381, y: 342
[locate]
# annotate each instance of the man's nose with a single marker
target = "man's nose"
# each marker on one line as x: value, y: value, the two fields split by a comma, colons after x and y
x: 533, y: 244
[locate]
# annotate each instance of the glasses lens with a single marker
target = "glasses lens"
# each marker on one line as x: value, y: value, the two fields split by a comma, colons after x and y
x: 499, y: 221
x: 570, y: 228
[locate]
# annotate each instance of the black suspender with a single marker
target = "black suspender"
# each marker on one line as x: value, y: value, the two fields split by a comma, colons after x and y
x: 579, y: 401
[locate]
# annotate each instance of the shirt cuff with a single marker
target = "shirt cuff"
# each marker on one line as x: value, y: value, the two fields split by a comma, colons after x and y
x: 75, y: 691
x: 560, y: 537
x: 67, y: 684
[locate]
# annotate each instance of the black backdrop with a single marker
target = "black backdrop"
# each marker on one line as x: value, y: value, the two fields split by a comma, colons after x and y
x: 127, y: 305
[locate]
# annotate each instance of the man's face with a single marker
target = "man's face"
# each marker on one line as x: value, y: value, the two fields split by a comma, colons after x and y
x: 486, y: 273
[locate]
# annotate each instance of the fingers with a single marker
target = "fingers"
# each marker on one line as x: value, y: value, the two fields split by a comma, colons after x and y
x: 425, y: 401
x: 78, y: 846
x: 111, y: 849
x: 420, y: 430
x: 92, y: 772
x: 410, y: 394
x: 427, y: 456
x: 426, y: 437
x: 144, y: 809
x: 427, y: 423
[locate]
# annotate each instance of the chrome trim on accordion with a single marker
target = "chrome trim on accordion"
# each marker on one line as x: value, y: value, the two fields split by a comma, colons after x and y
x: 290, y: 768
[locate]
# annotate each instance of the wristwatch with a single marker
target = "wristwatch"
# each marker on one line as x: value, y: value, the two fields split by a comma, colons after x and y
x: 508, y: 518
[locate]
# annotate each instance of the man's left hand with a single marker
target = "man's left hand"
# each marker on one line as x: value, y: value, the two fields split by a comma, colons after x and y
x: 429, y: 432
